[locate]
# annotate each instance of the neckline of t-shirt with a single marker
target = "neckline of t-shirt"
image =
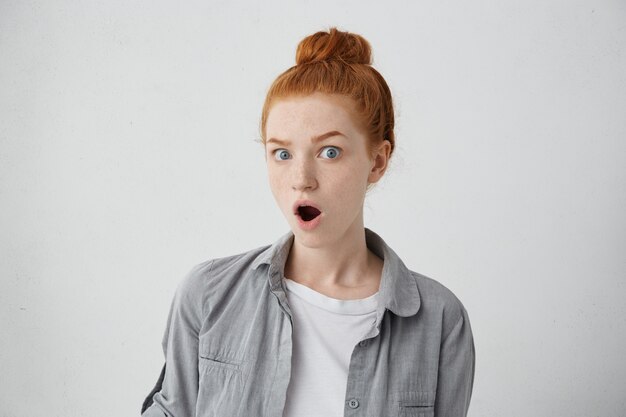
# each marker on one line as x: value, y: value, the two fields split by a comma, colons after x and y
x: 348, y: 307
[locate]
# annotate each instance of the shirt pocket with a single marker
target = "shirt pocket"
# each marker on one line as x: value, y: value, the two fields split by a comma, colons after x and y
x: 220, y: 385
x: 207, y: 362
x: 416, y: 403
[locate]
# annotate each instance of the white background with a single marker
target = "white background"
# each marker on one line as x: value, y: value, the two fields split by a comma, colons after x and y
x: 128, y: 155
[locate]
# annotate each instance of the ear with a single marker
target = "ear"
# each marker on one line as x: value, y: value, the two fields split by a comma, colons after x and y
x: 379, y: 163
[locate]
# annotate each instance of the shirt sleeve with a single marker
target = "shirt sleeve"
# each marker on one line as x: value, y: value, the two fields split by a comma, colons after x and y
x: 456, y: 370
x: 179, y: 390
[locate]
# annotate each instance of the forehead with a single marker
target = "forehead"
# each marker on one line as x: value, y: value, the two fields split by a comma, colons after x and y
x: 313, y: 113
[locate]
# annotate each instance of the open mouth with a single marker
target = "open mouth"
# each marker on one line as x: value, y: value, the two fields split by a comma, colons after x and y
x: 308, y: 213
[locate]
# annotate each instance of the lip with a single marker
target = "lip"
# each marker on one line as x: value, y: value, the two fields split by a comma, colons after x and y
x: 304, y: 203
x: 311, y: 224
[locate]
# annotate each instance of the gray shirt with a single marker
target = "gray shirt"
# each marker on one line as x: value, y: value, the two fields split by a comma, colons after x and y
x: 228, y: 343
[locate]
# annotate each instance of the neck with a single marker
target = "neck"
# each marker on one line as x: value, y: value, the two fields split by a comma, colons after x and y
x: 345, y: 264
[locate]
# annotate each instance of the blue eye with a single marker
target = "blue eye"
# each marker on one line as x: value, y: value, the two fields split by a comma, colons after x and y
x: 331, y: 152
x: 282, y: 152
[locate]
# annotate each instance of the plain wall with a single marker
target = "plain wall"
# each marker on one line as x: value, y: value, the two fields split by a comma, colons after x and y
x: 128, y: 155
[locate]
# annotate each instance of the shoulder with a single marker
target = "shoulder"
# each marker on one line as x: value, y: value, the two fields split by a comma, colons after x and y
x: 435, y: 293
x: 439, y: 301
x: 217, y: 274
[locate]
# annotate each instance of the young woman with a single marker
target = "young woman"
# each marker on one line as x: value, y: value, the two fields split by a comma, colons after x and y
x: 328, y: 320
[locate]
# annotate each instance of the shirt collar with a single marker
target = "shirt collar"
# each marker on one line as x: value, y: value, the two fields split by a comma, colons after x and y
x: 398, y: 286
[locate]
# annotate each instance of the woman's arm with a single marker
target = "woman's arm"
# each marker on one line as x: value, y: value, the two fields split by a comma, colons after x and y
x: 179, y: 390
x: 147, y: 402
x: 456, y: 370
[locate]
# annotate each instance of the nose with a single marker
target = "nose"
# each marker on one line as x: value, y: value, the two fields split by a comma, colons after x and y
x: 304, y: 176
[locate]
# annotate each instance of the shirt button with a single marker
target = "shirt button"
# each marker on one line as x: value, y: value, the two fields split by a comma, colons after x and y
x: 353, y: 403
x: 363, y: 343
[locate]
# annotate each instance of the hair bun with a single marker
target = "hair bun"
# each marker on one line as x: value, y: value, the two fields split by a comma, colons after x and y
x: 334, y: 45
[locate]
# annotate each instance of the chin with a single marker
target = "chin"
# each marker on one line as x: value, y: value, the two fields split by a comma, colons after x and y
x: 308, y: 239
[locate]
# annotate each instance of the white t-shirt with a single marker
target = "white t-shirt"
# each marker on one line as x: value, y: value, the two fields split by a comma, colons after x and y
x: 325, y: 332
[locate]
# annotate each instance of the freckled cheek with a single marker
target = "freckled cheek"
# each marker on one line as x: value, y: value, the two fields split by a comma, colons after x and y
x: 277, y: 182
x: 351, y: 191
x: 280, y: 189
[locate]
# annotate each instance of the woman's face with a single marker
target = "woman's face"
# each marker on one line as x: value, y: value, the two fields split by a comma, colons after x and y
x: 316, y: 150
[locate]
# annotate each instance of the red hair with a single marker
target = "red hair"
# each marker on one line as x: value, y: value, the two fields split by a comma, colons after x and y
x: 337, y: 62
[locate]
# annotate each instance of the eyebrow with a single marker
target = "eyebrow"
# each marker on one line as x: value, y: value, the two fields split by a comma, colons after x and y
x: 314, y: 139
